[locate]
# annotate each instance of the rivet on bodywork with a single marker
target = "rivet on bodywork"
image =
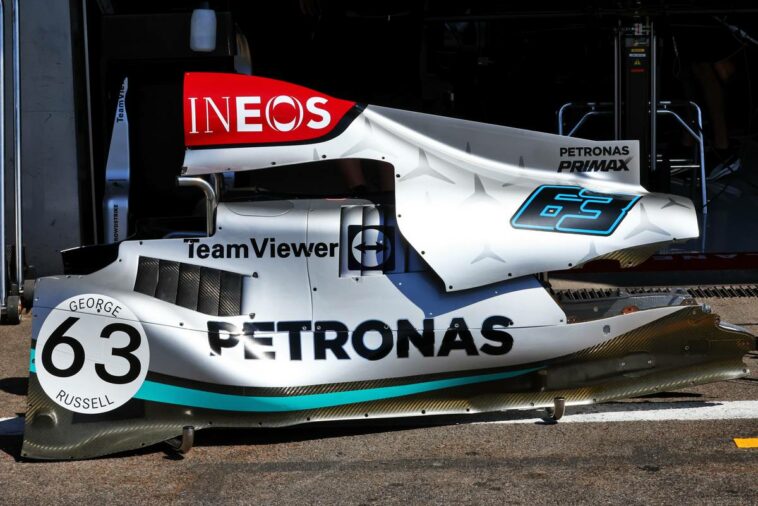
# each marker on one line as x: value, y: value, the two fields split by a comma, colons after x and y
x: 606, y: 329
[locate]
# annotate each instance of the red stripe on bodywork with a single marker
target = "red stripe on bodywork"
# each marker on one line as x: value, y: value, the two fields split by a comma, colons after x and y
x: 228, y: 109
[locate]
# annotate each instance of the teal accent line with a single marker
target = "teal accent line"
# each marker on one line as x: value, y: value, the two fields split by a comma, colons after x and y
x: 170, y: 394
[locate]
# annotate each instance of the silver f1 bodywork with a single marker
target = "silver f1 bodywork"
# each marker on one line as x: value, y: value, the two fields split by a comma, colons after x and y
x: 298, y: 311
x: 457, y: 182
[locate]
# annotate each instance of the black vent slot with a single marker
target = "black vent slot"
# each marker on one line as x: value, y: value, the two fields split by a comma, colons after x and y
x: 210, y: 291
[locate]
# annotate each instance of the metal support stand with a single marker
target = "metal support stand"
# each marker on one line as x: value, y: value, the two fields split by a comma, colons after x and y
x: 558, y: 410
x: 595, y: 109
x: 9, y: 295
x: 210, y: 198
x: 698, y: 137
x: 19, y: 264
x: 653, y: 100
x: 218, y: 183
x: 664, y: 109
x: 3, y: 283
x: 183, y: 444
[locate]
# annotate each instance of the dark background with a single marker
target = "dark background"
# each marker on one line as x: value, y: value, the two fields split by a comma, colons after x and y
x: 500, y: 62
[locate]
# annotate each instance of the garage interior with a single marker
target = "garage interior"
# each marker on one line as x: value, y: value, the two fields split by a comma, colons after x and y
x: 588, y: 69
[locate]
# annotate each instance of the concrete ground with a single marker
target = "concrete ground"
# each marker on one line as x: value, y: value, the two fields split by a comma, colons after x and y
x: 475, y: 460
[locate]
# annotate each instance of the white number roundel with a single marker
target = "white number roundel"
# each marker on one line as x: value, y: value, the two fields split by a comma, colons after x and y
x: 91, y: 354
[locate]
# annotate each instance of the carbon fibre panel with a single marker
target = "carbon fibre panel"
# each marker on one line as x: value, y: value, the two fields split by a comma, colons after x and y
x: 210, y: 291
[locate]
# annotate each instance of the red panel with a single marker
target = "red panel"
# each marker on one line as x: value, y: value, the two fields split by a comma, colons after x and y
x: 223, y: 109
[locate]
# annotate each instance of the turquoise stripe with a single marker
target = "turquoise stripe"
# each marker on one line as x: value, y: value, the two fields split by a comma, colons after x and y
x: 170, y: 394
x: 160, y: 392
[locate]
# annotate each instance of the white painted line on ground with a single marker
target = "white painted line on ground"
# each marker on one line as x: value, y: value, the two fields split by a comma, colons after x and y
x: 13, y: 426
x: 647, y: 412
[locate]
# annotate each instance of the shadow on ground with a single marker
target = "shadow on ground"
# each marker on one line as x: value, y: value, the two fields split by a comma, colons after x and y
x: 11, y: 431
x: 15, y: 386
